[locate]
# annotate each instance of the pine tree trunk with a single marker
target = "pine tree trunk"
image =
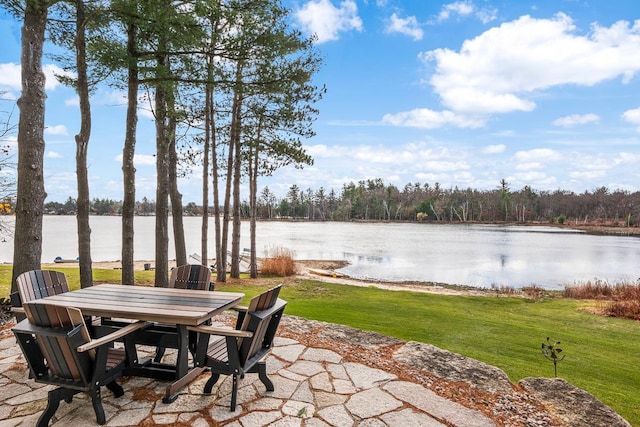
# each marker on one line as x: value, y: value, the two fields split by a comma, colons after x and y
x: 204, y: 230
x: 253, y: 197
x: 27, y: 246
x: 162, y: 170
x: 236, y: 130
x: 176, y: 197
x: 128, y: 167
x: 82, y: 145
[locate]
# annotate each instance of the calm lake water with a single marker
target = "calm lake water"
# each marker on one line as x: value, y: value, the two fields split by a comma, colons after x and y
x: 475, y: 255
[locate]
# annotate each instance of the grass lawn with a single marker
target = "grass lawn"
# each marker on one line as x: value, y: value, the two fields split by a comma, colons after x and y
x: 602, y: 354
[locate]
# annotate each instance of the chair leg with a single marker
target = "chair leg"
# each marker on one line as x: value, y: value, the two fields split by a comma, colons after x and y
x: 262, y: 374
x: 234, y: 392
x: 159, y: 353
x: 209, y: 385
x: 53, y: 402
x: 115, y: 388
x: 97, y: 406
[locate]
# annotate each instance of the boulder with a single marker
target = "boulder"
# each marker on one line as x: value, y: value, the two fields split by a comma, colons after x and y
x: 574, y: 406
x: 331, y: 331
x: 453, y: 367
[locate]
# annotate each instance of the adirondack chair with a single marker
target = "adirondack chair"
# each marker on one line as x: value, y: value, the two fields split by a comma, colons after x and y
x: 243, y: 349
x: 188, y: 276
x: 191, y: 276
x: 59, y: 351
x: 36, y: 284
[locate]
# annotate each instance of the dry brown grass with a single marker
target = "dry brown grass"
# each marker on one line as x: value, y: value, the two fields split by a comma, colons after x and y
x: 534, y: 292
x: 618, y: 300
x: 279, y: 262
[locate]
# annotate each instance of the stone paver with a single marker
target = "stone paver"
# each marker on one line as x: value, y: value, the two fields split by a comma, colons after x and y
x: 314, y: 387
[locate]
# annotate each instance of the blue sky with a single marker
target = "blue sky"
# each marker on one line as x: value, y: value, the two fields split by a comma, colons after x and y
x: 539, y: 93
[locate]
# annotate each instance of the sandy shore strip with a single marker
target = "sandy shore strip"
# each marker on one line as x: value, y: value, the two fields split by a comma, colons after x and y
x: 319, y: 270
x: 137, y: 265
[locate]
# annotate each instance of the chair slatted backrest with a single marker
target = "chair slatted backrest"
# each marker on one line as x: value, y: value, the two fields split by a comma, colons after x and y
x: 190, y: 276
x: 265, y: 300
x: 263, y: 321
x: 36, y: 284
x: 62, y: 330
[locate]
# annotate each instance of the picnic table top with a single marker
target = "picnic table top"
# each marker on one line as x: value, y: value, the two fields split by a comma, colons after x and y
x: 166, y: 305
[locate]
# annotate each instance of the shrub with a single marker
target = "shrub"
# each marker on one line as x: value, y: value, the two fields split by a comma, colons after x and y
x: 533, y: 292
x: 503, y: 289
x: 597, y: 289
x: 625, y: 309
x: 622, y: 299
x: 279, y: 262
x: 561, y: 218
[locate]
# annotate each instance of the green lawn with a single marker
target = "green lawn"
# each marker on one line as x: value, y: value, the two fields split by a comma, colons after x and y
x: 602, y: 354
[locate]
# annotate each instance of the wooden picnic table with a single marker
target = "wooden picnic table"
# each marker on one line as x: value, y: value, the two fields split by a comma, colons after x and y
x: 180, y: 307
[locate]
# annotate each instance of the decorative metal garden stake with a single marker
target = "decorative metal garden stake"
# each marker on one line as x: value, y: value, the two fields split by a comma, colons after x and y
x: 552, y: 352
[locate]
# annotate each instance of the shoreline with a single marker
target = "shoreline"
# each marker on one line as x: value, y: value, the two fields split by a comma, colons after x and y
x: 318, y: 270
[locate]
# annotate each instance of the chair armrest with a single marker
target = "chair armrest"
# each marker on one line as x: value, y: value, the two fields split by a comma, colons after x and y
x: 126, y: 330
x: 17, y: 309
x: 227, y: 332
x: 240, y: 308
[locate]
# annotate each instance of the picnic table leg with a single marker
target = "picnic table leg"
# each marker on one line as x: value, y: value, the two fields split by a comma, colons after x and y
x: 183, y: 375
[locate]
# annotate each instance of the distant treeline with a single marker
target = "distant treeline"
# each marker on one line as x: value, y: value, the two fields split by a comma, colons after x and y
x: 375, y: 200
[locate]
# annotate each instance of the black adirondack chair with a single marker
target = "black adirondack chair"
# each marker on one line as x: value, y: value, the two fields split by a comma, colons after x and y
x: 241, y: 350
x: 188, y: 276
x: 59, y: 351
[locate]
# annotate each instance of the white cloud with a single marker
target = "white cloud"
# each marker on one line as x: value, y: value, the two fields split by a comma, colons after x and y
x: 445, y: 166
x: 430, y: 119
x: 115, y: 97
x: 143, y: 159
x: 529, y: 166
x: 542, y: 155
x: 139, y: 159
x: 462, y: 8
x: 576, y: 119
x: 408, y: 26
x: 56, y: 130
x: 50, y: 72
x: 494, y: 149
x: 487, y: 15
x: 587, y: 175
x: 536, y: 179
x: 321, y: 150
x: 53, y: 155
x: 72, y: 102
x: 499, y: 70
x: 633, y: 117
x: 627, y: 158
x: 322, y: 18
x: 467, y: 8
x: 10, y: 76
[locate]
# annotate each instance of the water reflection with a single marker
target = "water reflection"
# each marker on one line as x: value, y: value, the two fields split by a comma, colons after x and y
x: 476, y: 255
